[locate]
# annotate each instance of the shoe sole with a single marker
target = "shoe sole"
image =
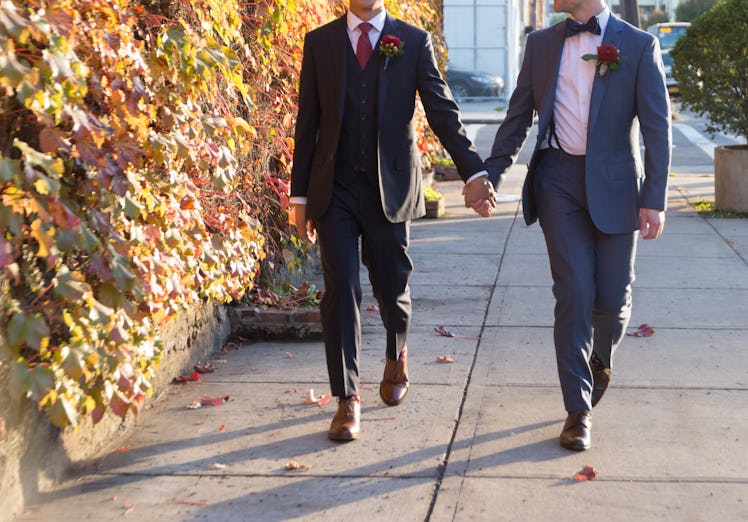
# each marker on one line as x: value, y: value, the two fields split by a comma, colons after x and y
x: 576, y: 447
x: 343, y: 437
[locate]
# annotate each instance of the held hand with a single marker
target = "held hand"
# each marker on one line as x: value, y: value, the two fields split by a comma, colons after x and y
x: 651, y: 223
x: 304, y: 227
x: 480, y: 196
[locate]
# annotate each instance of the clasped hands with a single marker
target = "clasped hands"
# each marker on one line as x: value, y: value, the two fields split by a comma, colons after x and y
x: 480, y: 196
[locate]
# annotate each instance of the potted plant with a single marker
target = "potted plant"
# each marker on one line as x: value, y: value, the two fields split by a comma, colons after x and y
x: 711, y: 64
x: 434, y: 202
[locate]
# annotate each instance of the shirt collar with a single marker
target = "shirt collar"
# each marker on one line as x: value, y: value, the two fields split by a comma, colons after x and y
x: 377, y: 21
x: 602, y: 19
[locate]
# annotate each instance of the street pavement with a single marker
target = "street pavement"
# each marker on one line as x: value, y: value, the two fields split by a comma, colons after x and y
x: 476, y: 439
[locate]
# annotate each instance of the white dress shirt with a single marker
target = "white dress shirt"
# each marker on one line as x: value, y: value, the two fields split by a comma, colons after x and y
x: 574, y: 88
x: 377, y: 26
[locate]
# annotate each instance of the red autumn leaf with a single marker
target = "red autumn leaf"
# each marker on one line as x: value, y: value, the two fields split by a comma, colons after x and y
x: 644, y: 330
x: 222, y: 427
x: 124, y: 448
x: 372, y: 308
x: 444, y: 359
x: 195, y: 377
x: 586, y: 473
x: 213, y: 401
x: 443, y: 331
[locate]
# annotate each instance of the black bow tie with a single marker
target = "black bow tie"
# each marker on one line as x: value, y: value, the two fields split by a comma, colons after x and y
x: 573, y: 27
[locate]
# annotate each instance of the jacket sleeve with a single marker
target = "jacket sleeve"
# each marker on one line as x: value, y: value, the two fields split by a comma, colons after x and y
x: 307, y: 123
x: 515, y: 128
x: 653, y: 112
x: 443, y: 114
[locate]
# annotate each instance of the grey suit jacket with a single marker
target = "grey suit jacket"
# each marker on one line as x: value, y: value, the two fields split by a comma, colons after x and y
x: 624, y: 101
x: 321, y: 96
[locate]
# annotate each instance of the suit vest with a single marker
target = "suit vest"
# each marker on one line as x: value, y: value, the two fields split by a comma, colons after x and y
x: 357, y: 147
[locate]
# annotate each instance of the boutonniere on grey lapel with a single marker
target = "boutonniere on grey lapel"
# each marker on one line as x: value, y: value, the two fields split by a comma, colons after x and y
x: 607, y: 57
x: 389, y: 47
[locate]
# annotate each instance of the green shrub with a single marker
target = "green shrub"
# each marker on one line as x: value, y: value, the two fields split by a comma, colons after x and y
x: 711, y: 64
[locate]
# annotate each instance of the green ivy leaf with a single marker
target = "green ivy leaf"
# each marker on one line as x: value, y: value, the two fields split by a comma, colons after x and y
x: 10, y: 169
x: 68, y: 287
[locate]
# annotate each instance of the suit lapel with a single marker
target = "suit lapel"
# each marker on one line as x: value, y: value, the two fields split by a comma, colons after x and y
x: 338, y: 42
x: 612, y: 36
x: 390, y: 27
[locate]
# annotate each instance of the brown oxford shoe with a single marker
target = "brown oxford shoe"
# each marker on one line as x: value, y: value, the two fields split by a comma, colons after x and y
x: 394, y: 386
x: 576, y: 433
x: 600, y: 380
x: 346, y: 425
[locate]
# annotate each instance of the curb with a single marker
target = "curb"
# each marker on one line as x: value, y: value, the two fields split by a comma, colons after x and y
x: 272, y: 323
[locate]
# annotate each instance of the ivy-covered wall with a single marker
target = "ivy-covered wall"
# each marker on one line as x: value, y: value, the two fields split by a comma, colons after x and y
x: 145, y: 148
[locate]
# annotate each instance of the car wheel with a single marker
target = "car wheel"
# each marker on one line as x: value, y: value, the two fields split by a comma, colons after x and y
x: 459, y: 90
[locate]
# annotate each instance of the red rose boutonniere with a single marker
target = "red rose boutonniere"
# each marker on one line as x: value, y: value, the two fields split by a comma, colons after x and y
x: 390, y: 46
x: 607, y: 57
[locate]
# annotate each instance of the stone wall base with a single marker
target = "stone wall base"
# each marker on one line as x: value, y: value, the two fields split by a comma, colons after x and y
x: 35, y: 455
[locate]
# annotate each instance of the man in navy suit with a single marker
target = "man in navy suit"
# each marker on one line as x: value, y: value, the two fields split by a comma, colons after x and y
x: 357, y: 176
x: 595, y: 82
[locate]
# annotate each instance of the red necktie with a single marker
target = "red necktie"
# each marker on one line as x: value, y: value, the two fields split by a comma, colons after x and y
x: 363, y: 47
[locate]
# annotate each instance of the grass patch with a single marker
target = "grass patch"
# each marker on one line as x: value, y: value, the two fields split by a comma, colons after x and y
x: 706, y: 208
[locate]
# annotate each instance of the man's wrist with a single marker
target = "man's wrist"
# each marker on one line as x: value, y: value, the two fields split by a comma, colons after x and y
x: 481, y: 174
x: 297, y: 200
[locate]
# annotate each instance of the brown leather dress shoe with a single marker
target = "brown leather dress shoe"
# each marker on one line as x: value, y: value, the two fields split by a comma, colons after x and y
x: 394, y: 386
x: 600, y: 380
x: 346, y: 425
x: 576, y: 433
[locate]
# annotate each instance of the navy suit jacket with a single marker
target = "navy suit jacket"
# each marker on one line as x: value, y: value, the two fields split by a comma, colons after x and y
x: 321, y: 97
x: 624, y: 101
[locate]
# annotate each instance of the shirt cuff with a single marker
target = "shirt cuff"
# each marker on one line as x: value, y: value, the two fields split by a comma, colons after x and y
x: 297, y: 200
x: 477, y: 175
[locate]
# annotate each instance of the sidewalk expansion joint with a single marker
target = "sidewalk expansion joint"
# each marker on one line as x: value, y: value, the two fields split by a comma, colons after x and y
x: 442, y: 468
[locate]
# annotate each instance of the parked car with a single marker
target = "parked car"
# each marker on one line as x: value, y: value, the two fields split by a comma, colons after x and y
x: 672, y: 84
x: 465, y: 83
x: 668, y: 33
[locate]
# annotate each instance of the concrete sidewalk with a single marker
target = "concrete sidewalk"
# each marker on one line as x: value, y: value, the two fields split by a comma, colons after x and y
x: 476, y: 439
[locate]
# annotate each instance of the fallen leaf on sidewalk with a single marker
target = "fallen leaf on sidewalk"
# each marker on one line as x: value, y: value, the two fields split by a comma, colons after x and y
x: 443, y: 331
x: 444, y: 359
x: 291, y: 390
x: 372, y: 308
x: 586, y: 473
x: 222, y: 427
x: 181, y: 379
x: 213, y: 401
x: 204, y: 367
x: 124, y: 448
x: 292, y: 465
x: 644, y: 330
x: 311, y: 398
x: 288, y: 355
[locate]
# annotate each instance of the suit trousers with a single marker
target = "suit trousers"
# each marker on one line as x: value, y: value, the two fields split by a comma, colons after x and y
x: 355, y: 213
x: 592, y: 275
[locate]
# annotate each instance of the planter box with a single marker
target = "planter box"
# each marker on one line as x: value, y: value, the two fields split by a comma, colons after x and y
x: 446, y: 173
x: 434, y: 208
x: 731, y: 178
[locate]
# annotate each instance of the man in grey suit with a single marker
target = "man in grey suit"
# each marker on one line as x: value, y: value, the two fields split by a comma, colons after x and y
x: 356, y: 176
x: 587, y: 183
